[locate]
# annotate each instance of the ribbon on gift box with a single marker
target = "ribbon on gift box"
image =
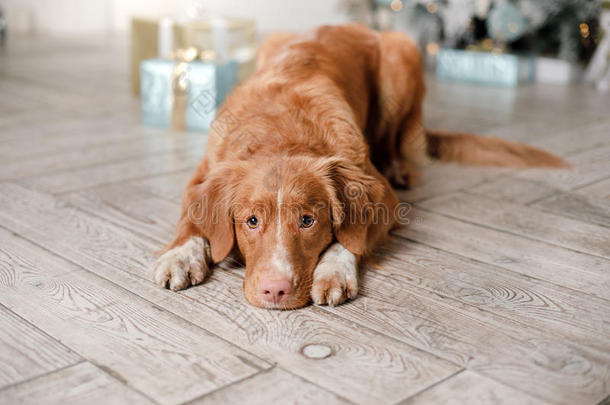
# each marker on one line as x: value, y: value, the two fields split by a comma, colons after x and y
x: 183, y: 57
x: 180, y: 81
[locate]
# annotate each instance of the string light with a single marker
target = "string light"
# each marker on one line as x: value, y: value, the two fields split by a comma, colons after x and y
x: 584, y: 30
x: 396, y: 5
x: 432, y: 48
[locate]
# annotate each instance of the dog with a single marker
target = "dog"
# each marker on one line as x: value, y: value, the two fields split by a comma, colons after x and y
x: 297, y: 176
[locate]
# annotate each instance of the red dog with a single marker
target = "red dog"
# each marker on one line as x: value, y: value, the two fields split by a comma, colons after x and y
x: 298, y: 161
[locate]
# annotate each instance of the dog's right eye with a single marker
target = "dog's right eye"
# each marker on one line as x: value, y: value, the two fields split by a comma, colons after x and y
x: 252, y: 222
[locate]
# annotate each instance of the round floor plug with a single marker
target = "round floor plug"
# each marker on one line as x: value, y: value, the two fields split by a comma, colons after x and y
x: 316, y: 351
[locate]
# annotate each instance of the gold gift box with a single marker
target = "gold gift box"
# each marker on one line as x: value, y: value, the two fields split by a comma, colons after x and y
x: 145, y: 42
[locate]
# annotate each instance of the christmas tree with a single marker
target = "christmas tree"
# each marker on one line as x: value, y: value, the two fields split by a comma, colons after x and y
x: 567, y: 29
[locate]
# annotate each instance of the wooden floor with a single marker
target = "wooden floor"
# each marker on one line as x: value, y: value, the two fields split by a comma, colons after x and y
x: 497, y: 292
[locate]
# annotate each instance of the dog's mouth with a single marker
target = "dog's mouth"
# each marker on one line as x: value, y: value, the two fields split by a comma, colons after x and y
x: 280, y: 306
x: 286, y: 306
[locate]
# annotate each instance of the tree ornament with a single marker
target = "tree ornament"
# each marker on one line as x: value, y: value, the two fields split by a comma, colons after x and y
x: 505, y: 23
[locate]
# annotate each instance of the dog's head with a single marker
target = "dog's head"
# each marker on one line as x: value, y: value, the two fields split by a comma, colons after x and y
x: 283, y: 215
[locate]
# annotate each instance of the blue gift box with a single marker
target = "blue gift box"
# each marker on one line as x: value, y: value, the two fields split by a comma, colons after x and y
x: 165, y: 86
x: 498, y: 69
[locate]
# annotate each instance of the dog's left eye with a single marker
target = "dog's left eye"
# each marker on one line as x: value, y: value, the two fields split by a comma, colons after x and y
x: 252, y: 222
x: 307, y: 221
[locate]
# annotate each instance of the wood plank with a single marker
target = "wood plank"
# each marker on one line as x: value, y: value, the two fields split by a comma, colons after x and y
x: 442, y: 178
x: 365, y: 366
x: 589, y: 166
x: 82, y: 383
x: 479, y: 100
x: 23, y: 149
x: 10, y: 122
x: 458, y: 119
x: 524, y: 221
x: 576, y: 316
x: 472, y: 389
x: 514, y: 189
x: 557, y: 135
x: 589, y: 204
x: 26, y: 352
x: 427, y: 268
x: 130, y: 207
x: 169, y: 186
x: 529, y: 257
x: 572, y: 143
x: 275, y: 386
x: 57, y: 124
x: 115, y: 172
x: 151, y: 349
x: 46, y: 95
x: 96, y: 72
x: 540, y: 363
x: 103, y: 154
x: 547, y: 108
x: 517, y: 185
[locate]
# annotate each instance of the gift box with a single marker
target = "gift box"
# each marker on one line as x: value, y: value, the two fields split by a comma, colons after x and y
x: 145, y: 42
x: 500, y: 69
x: 557, y: 71
x: 184, y: 95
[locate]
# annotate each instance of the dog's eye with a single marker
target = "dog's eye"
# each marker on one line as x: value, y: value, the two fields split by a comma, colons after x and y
x: 252, y: 222
x: 307, y: 221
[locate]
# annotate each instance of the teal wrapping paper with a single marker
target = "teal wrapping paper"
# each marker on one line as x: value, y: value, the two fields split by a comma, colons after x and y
x: 499, y: 69
x: 206, y: 85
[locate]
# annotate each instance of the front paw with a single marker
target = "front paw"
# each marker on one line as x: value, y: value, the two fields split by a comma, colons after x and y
x: 184, y: 265
x: 335, y: 278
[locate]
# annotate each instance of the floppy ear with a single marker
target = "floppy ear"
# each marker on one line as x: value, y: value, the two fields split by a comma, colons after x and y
x: 208, y: 206
x: 353, y: 200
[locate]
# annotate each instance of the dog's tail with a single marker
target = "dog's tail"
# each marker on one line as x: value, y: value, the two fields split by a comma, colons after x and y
x: 479, y: 150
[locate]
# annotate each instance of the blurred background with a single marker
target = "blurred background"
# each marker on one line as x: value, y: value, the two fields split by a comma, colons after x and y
x: 555, y: 39
x: 181, y: 58
x: 74, y: 17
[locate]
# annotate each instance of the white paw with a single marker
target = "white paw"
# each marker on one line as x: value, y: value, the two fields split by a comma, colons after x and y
x: 183, y: 265
x: 335, y: 278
